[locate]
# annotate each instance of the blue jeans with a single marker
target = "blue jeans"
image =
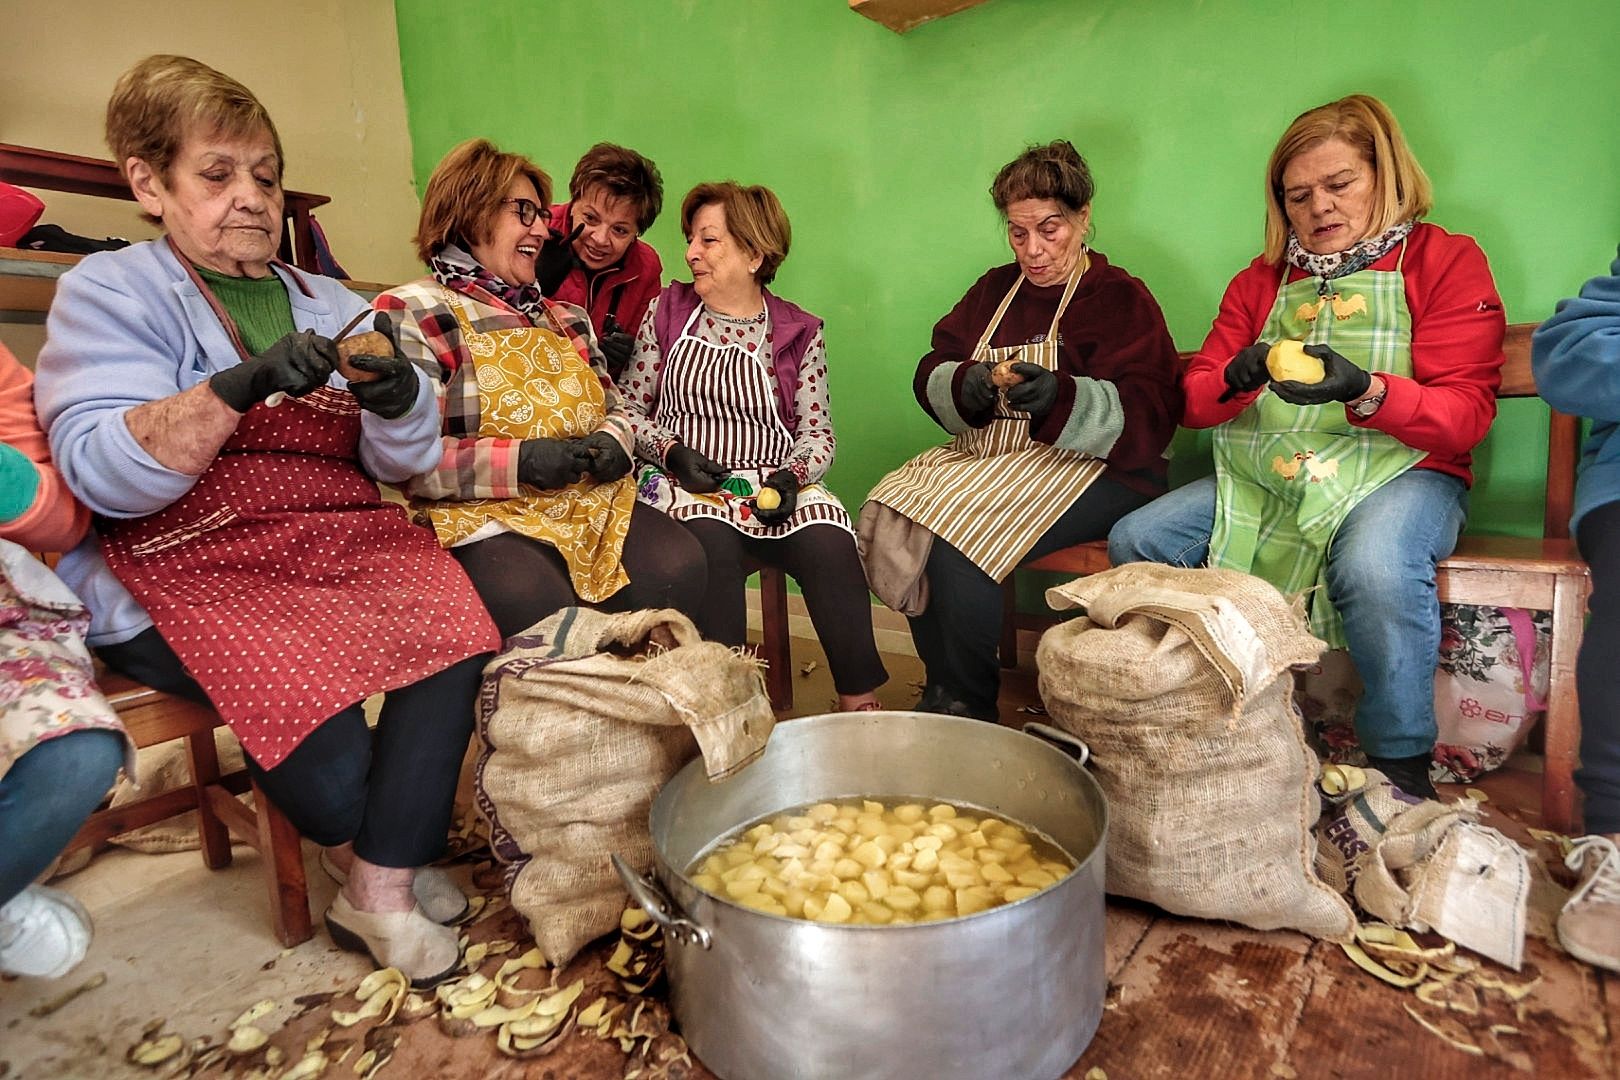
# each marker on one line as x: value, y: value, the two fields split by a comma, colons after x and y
x: 46, y: 795
x: 1380, y: 575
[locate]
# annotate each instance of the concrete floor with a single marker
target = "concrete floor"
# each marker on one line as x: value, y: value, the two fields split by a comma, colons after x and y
x: 1187, y: 999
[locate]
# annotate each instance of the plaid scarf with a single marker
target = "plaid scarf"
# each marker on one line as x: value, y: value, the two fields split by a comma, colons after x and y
x: 454, y: 269
x: 1357, y: 256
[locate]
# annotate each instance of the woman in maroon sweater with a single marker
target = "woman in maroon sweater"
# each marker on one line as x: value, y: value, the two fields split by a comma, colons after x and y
x: 1351, y: 487
x: 1057, y: 379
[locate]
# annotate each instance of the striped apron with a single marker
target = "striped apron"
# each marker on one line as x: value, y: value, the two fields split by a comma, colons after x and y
x: 720, y: 400
x: 992, y: 492
x: 1286, y: 476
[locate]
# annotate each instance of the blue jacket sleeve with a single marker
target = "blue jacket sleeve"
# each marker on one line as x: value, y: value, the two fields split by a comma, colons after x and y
x: 1576, y: 353
x: 104, y: 354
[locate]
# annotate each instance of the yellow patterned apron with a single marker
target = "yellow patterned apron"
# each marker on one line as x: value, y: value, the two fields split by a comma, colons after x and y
x: 533, y: 384
x: 992, y: 492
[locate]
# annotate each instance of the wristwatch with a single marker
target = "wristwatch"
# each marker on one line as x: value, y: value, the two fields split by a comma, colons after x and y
x: 1363, y: 409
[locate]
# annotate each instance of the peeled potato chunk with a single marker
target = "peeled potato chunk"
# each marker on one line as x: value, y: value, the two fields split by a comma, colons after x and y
x: 864, y: 863
x: 1289, y: 362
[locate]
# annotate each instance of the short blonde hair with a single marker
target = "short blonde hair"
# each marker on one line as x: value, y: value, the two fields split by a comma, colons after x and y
x: 159, y: 102
x: 1401, y: 190
x: 465, y: 193
x: 754, y: 216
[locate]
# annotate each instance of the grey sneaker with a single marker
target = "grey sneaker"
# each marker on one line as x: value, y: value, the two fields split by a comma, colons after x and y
x: 43, y: 932
x: 1589, y: 925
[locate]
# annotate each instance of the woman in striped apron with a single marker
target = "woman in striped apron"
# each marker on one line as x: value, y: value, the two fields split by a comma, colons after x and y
x: 532, y: 493
x: 1057, y: 379
x: 727, y: 391
x: 1352, y: 488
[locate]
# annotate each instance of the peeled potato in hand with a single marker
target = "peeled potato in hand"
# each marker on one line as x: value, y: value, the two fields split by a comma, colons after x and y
x: 371, y: 343
x: 1289, y: 362
x: 1003, y: 375
x: 768, y: 498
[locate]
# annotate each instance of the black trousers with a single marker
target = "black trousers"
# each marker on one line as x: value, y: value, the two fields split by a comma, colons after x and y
x: 822, y: 558
x: 390, y: 791
x: 522, y: 581
x: 957, y: 635
x: 1599, y: 689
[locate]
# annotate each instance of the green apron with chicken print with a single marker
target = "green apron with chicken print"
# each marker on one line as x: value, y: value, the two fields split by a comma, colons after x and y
x: 1286, y: 476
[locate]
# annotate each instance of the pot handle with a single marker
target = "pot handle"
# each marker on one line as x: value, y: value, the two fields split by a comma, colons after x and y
x: 1061, y: 739
x: 660, y: 906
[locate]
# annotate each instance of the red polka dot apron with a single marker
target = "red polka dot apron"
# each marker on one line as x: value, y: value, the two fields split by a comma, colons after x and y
x: 286, y: 584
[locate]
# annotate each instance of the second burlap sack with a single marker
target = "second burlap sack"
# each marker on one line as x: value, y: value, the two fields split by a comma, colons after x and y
x: 583, y: 718
x: 1179, y: 682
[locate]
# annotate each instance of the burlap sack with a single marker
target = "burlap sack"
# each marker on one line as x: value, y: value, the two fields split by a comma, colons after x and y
x: 582, y: 720
x: 1179, y: 681
x: 1427, y: 865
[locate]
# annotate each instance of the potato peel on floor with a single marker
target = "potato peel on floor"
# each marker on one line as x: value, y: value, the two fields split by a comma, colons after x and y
x: 1461, y: 1044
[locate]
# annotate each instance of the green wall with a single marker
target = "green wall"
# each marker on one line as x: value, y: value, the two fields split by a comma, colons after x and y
x: 882, y: 147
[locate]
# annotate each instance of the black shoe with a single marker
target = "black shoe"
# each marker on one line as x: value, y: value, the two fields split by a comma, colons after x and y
x: 1410, y: 774
x: 936, y: 699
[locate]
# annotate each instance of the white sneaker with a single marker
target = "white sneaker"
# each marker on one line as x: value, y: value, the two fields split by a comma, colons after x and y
x: 1589, y: 925
x: 43, y: 932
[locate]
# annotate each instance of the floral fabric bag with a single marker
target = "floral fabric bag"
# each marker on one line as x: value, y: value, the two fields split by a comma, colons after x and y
x: 1489, y: 691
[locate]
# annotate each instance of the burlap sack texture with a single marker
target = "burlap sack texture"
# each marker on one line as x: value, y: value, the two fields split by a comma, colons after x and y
x: 583, y: 718
x: 1427, y: 865
x: 1179, y: 681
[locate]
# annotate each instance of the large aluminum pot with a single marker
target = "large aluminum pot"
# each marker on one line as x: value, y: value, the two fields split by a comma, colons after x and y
x: 1012, y: 992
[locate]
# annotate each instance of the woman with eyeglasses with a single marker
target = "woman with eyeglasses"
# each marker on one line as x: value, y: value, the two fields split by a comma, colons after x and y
x: 533, y: 494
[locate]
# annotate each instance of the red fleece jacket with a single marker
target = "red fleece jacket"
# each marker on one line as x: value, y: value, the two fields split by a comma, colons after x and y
x: 1446, y: 407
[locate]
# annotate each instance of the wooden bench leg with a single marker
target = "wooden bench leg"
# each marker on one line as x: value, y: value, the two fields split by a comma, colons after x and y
x: 1562, y: 728
x: 215, y: 838
x: 1009, y: 621
x: 283, y: 856
x: 776, y: 643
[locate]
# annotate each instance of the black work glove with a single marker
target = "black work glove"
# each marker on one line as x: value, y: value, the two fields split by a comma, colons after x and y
x: 549, y: 464
x: 1037, y: 393
x: 1246, y: 371
x: 555, y: 260
x: 392, y: 395
x: 606, y: 460
x: 1341, y: 381
x: 978, y: 392
x: 786, y: 484
x: 298, y: 364
x: 692, y: 470
x: 617, y: 345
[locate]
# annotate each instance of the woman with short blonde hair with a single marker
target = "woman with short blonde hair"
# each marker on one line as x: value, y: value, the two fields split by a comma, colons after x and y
x: 1345, y: 475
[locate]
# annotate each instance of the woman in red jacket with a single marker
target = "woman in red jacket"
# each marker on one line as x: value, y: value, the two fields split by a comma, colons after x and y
x: 1353, y: 485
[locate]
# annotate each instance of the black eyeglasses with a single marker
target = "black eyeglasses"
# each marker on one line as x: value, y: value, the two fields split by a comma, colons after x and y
x: 526, y: 210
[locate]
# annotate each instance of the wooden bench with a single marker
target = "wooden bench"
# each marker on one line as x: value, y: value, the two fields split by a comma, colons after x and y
x: 1541, y: 574
x: 776, y: 643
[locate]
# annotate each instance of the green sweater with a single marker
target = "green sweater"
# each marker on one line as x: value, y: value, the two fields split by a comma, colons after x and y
x: 260, y: 307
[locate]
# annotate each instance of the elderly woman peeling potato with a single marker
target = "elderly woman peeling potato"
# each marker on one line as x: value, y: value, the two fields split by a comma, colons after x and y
x: 1057, y: 380
x: 195, y: 400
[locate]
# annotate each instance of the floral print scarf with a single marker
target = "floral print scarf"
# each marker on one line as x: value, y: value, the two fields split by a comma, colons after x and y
x: 454, y: 268
x: 1357, y: 256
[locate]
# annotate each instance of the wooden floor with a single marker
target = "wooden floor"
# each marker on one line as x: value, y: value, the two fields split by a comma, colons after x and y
x: 1186, y: 999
